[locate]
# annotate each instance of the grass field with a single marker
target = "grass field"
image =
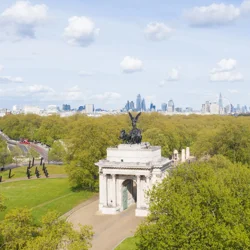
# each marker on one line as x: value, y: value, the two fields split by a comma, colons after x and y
x: 21, y: 172
x: 41, y: 195
x: 129, y: 243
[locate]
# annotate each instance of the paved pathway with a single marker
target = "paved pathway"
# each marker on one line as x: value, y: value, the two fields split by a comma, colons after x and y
x: 109, y: 230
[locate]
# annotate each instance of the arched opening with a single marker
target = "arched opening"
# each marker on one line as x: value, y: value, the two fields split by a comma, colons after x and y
x: 129, y: 189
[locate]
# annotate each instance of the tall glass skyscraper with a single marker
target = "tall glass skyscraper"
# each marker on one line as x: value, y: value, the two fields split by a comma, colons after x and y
x: 143, y: 105
x: 138, y: 103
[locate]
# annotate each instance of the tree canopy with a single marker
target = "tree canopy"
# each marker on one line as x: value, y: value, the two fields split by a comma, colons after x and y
x: 86, y: 138
x: 18, y: 231
x: 204, y: 205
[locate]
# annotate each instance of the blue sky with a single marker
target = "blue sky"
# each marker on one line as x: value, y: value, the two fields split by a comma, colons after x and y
x: 106, y: 52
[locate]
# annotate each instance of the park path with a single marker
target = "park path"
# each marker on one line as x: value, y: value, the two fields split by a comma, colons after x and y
x: 53, y: 176
x: 109, y: 230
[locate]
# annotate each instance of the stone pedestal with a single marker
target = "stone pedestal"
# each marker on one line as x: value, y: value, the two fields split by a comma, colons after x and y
x: 127, y: 173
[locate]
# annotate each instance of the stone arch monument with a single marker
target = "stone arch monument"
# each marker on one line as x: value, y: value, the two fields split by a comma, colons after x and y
x: 128, y: 172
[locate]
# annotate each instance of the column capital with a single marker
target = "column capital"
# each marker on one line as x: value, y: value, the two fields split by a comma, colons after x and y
x: 113, y: 175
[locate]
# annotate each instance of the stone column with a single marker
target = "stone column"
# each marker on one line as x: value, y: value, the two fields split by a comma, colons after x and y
x: 114, y: 190
x: 183, y: 155
x: 138, y: 191
x: 104, y: 193
x: 100, y: 188
x: 187, y: 153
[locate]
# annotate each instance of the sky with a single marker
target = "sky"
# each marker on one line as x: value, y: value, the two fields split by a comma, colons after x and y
x: 107, y: 52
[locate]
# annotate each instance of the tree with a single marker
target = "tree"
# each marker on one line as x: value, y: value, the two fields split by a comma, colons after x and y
x: 203, y: 205
x: 57, y: 152
x: 20, y: 232
x: 5, y: 156
x: 16, y: 152
x: 33, y: 153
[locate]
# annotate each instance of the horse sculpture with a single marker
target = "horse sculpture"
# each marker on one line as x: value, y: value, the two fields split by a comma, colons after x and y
x: 135, y: 136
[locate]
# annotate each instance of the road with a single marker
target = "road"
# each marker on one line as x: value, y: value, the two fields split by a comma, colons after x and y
x: 109, y: 230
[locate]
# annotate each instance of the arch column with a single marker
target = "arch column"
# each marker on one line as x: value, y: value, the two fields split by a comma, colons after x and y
x: 104, y: 188
x: 138, y: 191
x: 114, y: 193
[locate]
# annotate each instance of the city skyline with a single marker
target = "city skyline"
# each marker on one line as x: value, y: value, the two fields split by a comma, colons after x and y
x: 106, y: 53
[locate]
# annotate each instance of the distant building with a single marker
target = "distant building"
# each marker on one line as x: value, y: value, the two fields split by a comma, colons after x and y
x: 229, y: 109
x: 179, y: 110
x: 164, y: 106
x: 170, y: 106
x: 152, y: 107
x: 206, y: 107
x: 81, y: 108
x: 31, y: 110
x: 214, y: 108
x: 143, y: 105
x: 66, y: 107
x: 131, y: 105
x: 89, y: 108
x: 221, y: 109
x: 127, y: 106
x: 52, y: 109
x: 138, y: 103
x: 188, y: 110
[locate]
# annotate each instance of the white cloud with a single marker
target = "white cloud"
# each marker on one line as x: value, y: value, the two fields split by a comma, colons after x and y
x: 245, y: 7
x: 85, y: 73
x: 131, y: 64
x: 225, y: 65
x: 226, y: 72
x: 10, y: 79
x: 27, y: 91
x: 23, y: 18
x: 39, y: 89
x: 213, y: 15
x: 1, y: 67
x: 233, y: 91
x: 173, y: 75
x: 80, y: 31
x: 157, y: 31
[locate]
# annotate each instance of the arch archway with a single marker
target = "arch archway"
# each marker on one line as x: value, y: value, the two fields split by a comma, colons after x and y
x: 129, y: 193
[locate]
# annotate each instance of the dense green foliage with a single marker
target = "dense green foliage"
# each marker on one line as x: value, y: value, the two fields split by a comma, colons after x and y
x: 80, y: 141
x: 18, y: 231
x: 5, y: 155
x: 204, y: 205
x: 41, y: 195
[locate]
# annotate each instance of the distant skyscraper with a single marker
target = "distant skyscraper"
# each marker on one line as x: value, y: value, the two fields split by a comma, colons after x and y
x: 89, y: 108
x: 220, y: 102
x: 170, y: 106
x: 152, y: 107
x: 143, y: 105
x: 138, y: 103
x: 214, y: 108
x: 164, y: 106
x: 221, y: 109
x: 127, y: 106
x: 66, y: 107
x: 132, y: 105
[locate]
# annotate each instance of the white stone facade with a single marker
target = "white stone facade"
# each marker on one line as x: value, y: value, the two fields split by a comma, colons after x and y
x: 127, y: 173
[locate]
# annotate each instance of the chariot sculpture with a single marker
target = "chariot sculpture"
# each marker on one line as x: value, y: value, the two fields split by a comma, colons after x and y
x: 134, y: 136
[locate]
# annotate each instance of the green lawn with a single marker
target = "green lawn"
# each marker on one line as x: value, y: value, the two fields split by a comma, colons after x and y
x: 129, y: 243
x: 21, y: 172
x: 41, y: 195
